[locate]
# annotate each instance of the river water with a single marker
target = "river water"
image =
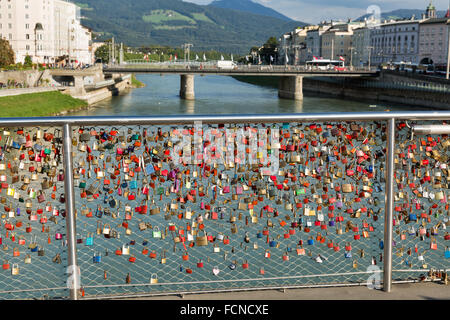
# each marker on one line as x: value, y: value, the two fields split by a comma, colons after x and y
x: 221, y: 94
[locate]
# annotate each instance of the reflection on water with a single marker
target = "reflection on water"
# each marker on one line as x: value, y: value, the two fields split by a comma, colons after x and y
x: 221, y: 94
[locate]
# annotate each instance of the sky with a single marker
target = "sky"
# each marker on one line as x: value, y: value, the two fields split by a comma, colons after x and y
x: 319, y: 10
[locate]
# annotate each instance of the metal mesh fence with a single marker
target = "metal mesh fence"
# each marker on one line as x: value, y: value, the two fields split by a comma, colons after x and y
x: 304, y: 226
x: 32, y: 235
x: 148, y: 223
x: 421, y: 205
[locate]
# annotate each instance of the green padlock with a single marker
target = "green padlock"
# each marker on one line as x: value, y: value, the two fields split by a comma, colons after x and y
x: 156, y: 232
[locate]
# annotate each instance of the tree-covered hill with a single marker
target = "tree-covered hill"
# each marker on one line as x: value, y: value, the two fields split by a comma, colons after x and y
x: 174, y: 22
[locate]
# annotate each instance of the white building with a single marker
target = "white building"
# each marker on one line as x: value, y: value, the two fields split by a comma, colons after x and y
x: 396, y: 41
x: 46, y: 30
x: 361, y: 47
x: 314, y: 41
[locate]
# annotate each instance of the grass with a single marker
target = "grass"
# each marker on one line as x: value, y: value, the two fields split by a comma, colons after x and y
x: 38, y: 104
x: 202, y: 17
x: 173, y: 27
x: 160, y: 16
x: 136, y: 83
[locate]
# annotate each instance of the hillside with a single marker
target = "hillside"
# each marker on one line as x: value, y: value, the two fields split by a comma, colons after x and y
x: 249, y: 6
x: 404, y: 14
x: 174, y: 22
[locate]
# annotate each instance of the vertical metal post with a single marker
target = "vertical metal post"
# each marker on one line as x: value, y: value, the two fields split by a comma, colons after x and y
x: 389, y: 206
x: 70, y: 213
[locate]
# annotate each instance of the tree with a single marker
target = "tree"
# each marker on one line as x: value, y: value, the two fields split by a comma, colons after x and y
x: 28, y: 61
x: 103, y: 53
x: 6, y: 53
x: 272, y: 42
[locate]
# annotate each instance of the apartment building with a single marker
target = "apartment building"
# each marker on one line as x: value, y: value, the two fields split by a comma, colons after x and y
x: 46, y: 30
x: 433, y: 41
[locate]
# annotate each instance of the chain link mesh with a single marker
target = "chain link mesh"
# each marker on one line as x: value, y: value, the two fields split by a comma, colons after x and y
x: 421, y: 209
x: 33, y: 246
x: 242, y: 263
x: 318, y: 162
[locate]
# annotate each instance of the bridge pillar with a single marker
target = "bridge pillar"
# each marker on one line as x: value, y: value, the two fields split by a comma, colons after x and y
x: 187, y: 87
x: 79, y: 85
x: 291, y: 87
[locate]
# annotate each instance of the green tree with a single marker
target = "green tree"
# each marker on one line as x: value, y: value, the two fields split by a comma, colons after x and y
x: 6, y: 53
x: 102, y: 52
x: 272, y: 42
x: 28, y: 61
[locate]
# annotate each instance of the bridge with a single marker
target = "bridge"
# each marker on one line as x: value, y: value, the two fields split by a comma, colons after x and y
x: 290, y: 83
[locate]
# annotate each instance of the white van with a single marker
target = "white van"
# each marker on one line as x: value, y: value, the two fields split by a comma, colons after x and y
x: 226, y: 64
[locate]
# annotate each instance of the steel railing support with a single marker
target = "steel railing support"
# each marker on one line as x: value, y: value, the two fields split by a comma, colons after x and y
x: 73, y: 281
x: 389, y: 206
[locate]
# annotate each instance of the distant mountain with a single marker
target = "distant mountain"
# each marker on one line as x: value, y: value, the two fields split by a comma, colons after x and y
x: 174, y: 22
x: 249, y: 6
x: 404, y: 14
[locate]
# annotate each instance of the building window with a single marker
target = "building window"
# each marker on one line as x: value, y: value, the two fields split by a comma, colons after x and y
x: 27, y: 26
x: 27, y: 36
x: 27, y: 47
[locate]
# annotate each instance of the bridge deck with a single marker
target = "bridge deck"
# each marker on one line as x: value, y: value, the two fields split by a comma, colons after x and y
x: 277, y: 72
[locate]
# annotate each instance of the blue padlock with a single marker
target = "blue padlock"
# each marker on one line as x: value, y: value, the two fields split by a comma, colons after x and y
x: 381, y: 244
x: 310, y: 241
x: 133, y: 184
x: 331, y: 223
x: 90, y: 240
x: 259, y: 235
x: 149, y: 169
x: 447, y: 253
x: 412, y: 217
x: 370, y: 168
x: 97, y: 258
x: 272, y: 243
x: 18, y: 212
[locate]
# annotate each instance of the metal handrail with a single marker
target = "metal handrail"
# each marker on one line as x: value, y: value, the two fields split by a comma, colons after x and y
x: 225, y: 118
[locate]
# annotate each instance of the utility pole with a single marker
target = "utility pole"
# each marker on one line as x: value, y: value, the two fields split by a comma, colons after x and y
x: 113, y: 51
x: 370, y: 51
x: 121, y: 53
x: 187, y: 51
x: 351, y: 57
x: 332, y: 49
x: 448, y: 53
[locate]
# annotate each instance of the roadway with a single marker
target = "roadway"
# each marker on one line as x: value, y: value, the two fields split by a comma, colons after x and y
x: 276, y: 71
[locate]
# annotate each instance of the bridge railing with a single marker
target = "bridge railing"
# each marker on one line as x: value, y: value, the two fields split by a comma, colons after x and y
x: 97, y: 207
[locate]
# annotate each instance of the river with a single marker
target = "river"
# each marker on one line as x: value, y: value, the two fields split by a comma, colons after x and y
x: 220, y: 94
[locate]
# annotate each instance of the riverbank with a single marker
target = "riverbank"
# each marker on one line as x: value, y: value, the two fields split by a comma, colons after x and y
x: 136, y: 83
x: 388, y: 89
x: 39, y: 105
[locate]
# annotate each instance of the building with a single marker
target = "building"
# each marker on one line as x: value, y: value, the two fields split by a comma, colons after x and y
x: 433, y: 41
x: 362, y: 49
x: 47, y: 30
x: 314, y: 41
x: 337, y: 41
x: 396, y: 41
